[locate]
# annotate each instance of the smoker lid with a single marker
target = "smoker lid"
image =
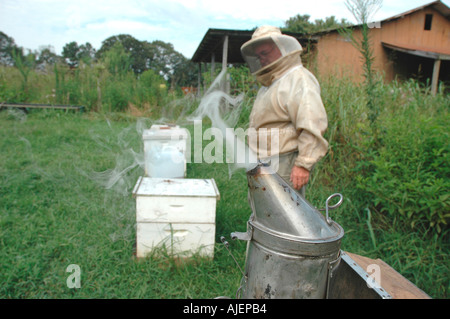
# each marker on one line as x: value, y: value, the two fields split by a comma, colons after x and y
x: 279, y: 209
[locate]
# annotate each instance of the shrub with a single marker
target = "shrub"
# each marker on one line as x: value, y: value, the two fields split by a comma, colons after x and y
x: 117, y: 95
x: 151, y: 88
x: 408, y: 177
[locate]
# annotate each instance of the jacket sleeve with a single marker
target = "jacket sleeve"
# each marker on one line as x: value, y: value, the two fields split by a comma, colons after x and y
x: 309, y: 117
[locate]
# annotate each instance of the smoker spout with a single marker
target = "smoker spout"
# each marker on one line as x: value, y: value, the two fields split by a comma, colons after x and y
x: 278, y: 207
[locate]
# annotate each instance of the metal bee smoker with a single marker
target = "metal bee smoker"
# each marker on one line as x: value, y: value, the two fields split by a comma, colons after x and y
x: 292, y: 248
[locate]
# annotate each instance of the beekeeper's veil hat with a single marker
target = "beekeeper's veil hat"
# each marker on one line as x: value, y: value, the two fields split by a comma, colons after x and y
x: 267, y: 34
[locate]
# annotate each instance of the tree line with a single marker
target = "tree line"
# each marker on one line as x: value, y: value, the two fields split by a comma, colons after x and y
x: 123, y: 51
x: 137, y: 56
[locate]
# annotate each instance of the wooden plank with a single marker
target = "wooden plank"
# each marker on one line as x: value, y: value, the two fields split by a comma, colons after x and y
x: 394, y: 283
x: 42, y: 106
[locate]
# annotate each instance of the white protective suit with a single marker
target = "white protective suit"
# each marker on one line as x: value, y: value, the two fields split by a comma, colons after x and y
x: 288, y: 101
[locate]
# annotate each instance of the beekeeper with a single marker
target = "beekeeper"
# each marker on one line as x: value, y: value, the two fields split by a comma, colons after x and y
x: 288, y: 106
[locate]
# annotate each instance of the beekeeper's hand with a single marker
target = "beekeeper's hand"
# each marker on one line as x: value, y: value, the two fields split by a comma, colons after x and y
x: 299, y: 177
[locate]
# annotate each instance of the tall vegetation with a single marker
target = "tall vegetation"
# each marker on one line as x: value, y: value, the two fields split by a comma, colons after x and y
x: 363, y: 11
x: 125, y: 74
x: 403, y: 183
x: 402, y: 171
x: 24, y: 64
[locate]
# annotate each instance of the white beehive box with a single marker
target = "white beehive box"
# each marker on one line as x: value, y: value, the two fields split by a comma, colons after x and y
x: 178, y: 214
x: 166, y: 151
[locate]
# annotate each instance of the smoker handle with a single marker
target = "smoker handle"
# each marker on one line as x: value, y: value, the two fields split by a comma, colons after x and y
x: 241, y: 236
x: 327, y: 207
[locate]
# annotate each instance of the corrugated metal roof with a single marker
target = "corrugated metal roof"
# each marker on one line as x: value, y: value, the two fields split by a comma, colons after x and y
x: 213, y: 40
x: 212, y: 43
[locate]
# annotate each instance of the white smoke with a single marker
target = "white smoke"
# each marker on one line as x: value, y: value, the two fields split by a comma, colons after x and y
x: 222, y: 109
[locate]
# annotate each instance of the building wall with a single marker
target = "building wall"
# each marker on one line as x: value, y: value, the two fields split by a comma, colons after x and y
x: 334, y: 54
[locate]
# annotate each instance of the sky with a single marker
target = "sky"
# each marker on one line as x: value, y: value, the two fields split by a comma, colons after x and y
x: 37, y: 23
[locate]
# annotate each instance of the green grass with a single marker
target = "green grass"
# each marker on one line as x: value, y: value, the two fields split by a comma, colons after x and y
x: 55, y: 210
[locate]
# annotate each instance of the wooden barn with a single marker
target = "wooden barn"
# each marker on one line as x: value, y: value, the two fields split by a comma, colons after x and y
x: 412, y: 44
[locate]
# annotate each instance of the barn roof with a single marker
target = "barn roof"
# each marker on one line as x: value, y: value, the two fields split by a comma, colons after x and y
x: 419, y: 51
x: 437, y: 5
x: 213, y: 40
x: 212, y: 43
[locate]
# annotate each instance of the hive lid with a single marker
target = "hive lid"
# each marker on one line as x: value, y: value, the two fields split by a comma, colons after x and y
x: 278, y: 208
x: 182, y: 187
x: 165, y: 132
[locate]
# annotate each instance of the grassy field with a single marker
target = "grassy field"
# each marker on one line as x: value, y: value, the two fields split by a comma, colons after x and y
x: 65, y: 198
x: 58, y: 209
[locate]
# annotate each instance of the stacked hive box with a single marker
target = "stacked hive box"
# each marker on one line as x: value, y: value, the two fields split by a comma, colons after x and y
x: 172, y: 212
x: 166, y: 151
x: 178, y: 214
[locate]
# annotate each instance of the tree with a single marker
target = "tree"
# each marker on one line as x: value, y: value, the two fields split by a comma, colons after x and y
x: 46, y: 56
x: 165, y: 60
x: 86, y: 53
x: 117, y: 60
x: 7, y: 47
x: 158, y: 56
x: 73, y: 53
x: 185, y: 73
x: 172, y: 65
x: 301, y: 24
x: 69, y: 53
x: 136, y: 49
x: 330, y: 23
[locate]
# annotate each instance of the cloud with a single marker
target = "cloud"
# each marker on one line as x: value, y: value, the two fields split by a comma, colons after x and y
x: 33, y: 23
